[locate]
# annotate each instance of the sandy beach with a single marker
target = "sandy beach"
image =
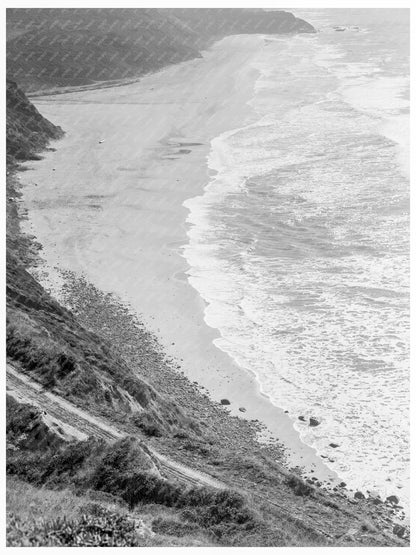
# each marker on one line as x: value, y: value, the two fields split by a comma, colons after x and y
x: 108, y: 205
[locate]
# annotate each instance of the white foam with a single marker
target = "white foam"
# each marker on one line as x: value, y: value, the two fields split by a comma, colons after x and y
x: 313, y: 331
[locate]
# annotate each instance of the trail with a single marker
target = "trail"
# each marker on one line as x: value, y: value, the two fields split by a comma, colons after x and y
x: 81, y: 425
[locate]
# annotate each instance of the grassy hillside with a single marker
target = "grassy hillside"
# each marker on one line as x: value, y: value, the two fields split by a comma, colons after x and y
x: 49, y: 48
x: 27, y: 131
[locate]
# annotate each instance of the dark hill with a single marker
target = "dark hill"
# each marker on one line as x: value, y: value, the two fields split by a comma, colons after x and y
x: 214, y: 23
x: 27, y: 131
x: 69, y: 47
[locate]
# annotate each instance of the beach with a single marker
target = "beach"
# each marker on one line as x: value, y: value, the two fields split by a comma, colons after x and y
x: 107, y: 204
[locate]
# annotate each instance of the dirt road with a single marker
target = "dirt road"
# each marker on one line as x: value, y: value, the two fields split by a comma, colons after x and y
x: 79, y: 424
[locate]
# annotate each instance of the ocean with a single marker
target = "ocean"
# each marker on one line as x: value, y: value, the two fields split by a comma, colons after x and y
x: 299, y: 244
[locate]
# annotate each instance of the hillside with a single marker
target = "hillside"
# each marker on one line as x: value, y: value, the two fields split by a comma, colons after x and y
x: 210, y: 24
x: 27, y: 132
x: 49, y: 48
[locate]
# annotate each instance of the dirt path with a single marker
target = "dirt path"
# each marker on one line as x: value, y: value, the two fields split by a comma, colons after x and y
x: 81, y: 425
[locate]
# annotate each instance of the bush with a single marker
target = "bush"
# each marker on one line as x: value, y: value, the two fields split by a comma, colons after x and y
x: 147, y: 422
x: 148, y: 488
x: 106, y: 530
x: 39, y: 354
x: 298, y: 486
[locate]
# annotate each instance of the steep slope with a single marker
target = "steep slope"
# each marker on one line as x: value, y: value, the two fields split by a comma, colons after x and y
x: 50, y: 47
x: 50, y: 345
x: 61, y: 47
x: 27, y: 131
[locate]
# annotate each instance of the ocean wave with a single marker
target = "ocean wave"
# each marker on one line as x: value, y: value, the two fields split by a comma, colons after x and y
x: 299, y: 247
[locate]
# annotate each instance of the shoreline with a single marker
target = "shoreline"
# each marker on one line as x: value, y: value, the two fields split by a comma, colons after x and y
x: 147, y: 251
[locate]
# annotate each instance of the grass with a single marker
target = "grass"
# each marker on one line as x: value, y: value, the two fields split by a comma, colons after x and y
x: 42, y: 517
x: 125, y: 471
x: 53, y: 348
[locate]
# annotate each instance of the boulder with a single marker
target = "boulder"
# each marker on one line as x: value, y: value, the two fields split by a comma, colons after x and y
x: 225, y: 402
x: 313, y: 421
x: 302, y: 418
x: 242, y: 409
x: 359, y: 495
x: 334, y: 445
x: 399, y: 530
x: 393, y: 499
x: 367, y: 526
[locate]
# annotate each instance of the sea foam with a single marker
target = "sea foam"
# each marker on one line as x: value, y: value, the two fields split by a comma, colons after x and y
x: 299, y: 247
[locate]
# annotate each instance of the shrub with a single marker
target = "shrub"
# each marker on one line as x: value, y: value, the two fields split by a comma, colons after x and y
x: 146, y: 422
x: 298, y: 486
x: 106, y: 530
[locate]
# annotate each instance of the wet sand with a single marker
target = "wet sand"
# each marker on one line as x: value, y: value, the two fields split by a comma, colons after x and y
x: 108, y: 204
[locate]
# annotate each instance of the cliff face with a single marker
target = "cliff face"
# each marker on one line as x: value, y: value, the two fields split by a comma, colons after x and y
x: 69, y: 47
x: 27, y: 130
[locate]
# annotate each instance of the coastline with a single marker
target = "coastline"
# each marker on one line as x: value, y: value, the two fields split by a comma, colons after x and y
x: 140, y: 230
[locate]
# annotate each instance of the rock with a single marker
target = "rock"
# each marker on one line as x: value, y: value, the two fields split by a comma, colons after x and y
x: 302, y: 418
x: 225, y: 402
x: 366, y: 526
x: 399, y: 530
x: 359, y: 495
x: 342, y: 485
x: 313, y: 421
x: 286, y: 412
x: 393, y: 499
x: 334, y: 445
x: 242, y: 409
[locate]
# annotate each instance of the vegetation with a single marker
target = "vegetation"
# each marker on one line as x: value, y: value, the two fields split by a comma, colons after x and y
x: 125, y: 471
x: 106, y: 530
x: 41, y: 516
x: 47, y: 48
x: 299, y: 486
x: 27, y: 131
x: 49, y: 343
